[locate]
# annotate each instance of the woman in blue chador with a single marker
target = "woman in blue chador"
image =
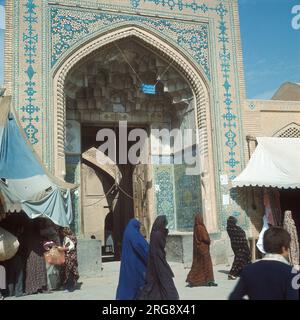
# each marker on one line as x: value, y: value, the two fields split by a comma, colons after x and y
x: 133, y: 262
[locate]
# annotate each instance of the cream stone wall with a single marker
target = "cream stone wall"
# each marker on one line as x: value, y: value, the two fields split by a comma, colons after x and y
x: 267, y: 117
x: 8, y: 45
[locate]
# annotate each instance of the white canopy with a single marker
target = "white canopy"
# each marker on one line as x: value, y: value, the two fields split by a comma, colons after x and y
x: 274, y: 163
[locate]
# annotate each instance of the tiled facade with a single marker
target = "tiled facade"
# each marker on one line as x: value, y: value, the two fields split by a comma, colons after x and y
x: 202, y: 38
x: 203, y: 34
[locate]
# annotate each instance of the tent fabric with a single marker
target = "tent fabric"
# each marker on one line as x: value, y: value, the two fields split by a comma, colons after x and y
x: 17, y: 162
x: 5, y: 113
x: 25, y: 184
x: 10, y: 201
x: 274, y: 163
x: 32, y: 188
x: 51, y: 206
x: 56, y: 205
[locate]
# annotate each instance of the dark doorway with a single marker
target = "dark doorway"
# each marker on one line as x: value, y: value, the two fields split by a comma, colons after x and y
x: 120, y: 200
x: 123, y: 210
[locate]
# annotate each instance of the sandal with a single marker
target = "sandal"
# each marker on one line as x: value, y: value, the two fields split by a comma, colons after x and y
x: 212, y: 284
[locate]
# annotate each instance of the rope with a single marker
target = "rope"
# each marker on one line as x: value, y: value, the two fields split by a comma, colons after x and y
x: 159, y: 77
x: 106, y: 194
x: 102, y: 197
x: 126, y: 194
x: 124, y: 56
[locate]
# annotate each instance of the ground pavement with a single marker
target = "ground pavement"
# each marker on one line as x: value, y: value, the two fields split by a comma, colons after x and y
x: 104, y: 288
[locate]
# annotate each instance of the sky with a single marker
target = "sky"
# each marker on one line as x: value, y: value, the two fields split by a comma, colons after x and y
x: 271, y: 47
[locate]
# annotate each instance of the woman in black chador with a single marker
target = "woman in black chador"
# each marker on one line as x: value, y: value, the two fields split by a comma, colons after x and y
x: 159, y: 276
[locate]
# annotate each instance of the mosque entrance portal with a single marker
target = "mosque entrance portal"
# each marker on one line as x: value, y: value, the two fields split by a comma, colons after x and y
x: 127, y: 81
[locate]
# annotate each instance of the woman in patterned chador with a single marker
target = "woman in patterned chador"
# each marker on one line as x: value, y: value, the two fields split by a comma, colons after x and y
x: 290, y: 227
x: 240, y: 248
x: 36, y: 273
x: 69, y: 271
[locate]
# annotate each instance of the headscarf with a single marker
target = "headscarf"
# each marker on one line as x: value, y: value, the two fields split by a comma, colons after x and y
x: 159, y: 233
x: 199, y: 219
x: 160, y: 224
x: 290, y: 227
x: 133, y: 239
x: 231, y: 222
x: 236, y: 234
x: 201, y: 236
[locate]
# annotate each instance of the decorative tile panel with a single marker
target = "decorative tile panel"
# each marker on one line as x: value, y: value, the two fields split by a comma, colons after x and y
x: 225, y: 61
x: 73, y: 176
x: 30, y: 40
x: 68, y: 27
x: 188, y: 198
x: 164, y: 193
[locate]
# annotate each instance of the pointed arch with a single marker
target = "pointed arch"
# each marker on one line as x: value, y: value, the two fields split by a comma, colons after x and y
x: 186, y: 67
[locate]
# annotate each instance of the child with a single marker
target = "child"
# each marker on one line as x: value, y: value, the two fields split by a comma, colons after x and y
x: 272, y: 277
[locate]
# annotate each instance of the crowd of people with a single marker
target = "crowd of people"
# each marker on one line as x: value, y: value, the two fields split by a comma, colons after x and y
x: 46, y: 259
x: 146, y: 275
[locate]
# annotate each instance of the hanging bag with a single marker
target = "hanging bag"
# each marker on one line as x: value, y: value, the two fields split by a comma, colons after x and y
x: 55, y: 256
x: 9, y: 245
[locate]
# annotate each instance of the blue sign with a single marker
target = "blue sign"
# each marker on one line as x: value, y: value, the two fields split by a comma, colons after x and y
x: 148, y: 88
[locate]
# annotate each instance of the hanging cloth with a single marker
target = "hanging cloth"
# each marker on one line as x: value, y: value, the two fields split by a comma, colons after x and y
x: 25, y: 183
x: 260, y: 244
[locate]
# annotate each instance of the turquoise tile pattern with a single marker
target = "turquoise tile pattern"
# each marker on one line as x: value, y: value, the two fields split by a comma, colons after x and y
x: 187, y: 196
x: 68, y: 27
x: 73, y: 176
x: 30, y: 40
x: 164, y: 193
